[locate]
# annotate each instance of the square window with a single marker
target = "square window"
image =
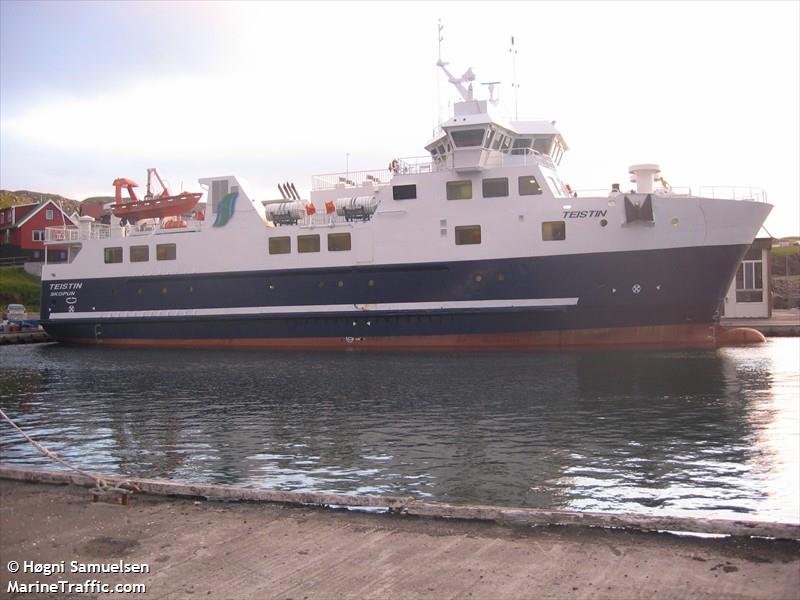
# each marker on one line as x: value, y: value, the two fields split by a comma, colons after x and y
x: 528, y: 186
x: 404, y: 192
x: 459, y: 190
x: 48, y: 214
x: 112, y: 255
x: 554, y: 231
x: 749, y: 295
x: 338, y: 242
x: 166, y: 252
x: 468, y: 234
x: 495, y: 188
x: 139, y: 253
x: 308, y: 243
x: 280, y: 245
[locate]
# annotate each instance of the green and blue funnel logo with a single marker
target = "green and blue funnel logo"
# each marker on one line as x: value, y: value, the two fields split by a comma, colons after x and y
x: 225, y: 209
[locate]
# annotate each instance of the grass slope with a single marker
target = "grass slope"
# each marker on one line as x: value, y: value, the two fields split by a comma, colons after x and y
x: 17, y: 286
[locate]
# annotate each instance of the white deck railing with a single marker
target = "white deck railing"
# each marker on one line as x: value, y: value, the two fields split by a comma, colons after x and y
x: 99, y: 231
x: 720, y: 192
x: 415, y: 165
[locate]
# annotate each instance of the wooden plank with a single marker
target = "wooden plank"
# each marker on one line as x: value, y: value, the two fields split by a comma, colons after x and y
x: 420, y: 508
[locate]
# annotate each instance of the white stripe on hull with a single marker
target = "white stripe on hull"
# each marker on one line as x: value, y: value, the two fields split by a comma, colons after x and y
x: 324, y: 308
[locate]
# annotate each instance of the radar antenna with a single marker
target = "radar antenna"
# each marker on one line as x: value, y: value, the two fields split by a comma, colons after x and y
x: 491, y: 85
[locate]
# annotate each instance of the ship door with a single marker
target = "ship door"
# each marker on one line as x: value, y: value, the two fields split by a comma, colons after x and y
x: 364, y: 246
x: 98, y: 332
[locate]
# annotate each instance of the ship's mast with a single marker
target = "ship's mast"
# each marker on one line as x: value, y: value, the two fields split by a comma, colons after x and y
x: 468, y: 76
x: 515, y: 85
x: 438, y: 82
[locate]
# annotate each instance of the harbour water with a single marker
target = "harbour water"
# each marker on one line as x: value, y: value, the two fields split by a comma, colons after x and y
x: 700, y: 433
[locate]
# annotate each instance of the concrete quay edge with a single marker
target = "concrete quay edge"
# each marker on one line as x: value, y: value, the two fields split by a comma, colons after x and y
x: 421, y: 508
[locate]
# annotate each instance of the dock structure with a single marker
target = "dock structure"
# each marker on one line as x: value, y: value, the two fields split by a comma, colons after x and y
x: 782, y: 323
x: 25, y: 337
x: 196, y: 547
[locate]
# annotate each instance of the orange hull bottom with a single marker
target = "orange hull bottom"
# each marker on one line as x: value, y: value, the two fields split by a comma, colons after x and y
x: 658, y: 336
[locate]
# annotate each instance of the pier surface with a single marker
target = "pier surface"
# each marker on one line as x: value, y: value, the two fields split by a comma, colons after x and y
x: 25, y: 337
x: 782, y: 323
x: 203, y: 549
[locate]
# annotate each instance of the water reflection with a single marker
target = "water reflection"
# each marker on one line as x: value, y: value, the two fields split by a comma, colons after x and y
x: 656, y: 432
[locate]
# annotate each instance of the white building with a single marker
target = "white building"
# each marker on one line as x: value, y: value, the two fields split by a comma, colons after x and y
x: 749, y: 295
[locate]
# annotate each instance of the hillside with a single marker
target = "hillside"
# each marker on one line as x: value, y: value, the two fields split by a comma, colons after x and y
x: 18, y: 286
x: 8, y: 198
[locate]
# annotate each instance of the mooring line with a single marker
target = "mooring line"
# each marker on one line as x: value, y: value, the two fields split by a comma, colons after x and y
x: 101, y: 485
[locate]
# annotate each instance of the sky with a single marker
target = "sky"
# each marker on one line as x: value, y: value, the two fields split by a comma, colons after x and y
x: 273, y: 92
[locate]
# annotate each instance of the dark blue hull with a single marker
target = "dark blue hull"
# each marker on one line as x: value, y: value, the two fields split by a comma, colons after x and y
x: 622, y: 290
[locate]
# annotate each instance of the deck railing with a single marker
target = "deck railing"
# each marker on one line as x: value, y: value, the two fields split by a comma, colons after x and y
x: 100, y: 231
x: 720, y: 192
x: 415, y: 165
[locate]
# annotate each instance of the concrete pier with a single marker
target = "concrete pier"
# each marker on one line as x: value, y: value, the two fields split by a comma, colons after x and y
x: 214, y: 549
x: 782, y: 323
x: 24, y: 337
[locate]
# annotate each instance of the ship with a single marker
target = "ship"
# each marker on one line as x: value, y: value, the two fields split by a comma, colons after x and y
x: 479, y: 244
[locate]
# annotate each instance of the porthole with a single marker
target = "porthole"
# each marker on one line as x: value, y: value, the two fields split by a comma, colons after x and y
x: 501, y: 277
x: 272, y: 286
x: 603, y: 222
x: 340, y: 283
x: 163, y: 290
x: 674, y: 221
x: 478, y: 278
x: 191, y: 289
x: 371, y: 283
x: 612, y: 202
x: 321, y: 284
x: 139, y: 291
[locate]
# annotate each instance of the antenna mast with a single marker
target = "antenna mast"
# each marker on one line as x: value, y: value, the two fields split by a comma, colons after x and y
x: 515, y: 85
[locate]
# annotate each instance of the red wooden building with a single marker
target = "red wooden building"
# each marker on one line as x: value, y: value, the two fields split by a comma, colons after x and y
x: 22, y: 231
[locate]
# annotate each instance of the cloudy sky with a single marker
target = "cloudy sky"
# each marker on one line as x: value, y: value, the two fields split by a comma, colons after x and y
x: 273, y: 92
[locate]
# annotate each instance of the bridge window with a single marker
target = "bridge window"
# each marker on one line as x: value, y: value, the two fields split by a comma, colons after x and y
x: 404, y: 192
x: 543, y: 144
x: 528, y: 186
x: 338, y: 242
x: 521, y: 146
x: 139, y: 253
x: 112, y: 255
x: 495, y: 188
x: 489, y: 138
x: 280, y: 245
x: 459, y: 190
x: 553, y: 231
x: 166, y: 252
x: 468, y: 137
x: 468, y: 234
x: 308, y: 243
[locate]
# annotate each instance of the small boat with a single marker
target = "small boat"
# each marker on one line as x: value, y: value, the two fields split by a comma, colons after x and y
x: 151, y: 206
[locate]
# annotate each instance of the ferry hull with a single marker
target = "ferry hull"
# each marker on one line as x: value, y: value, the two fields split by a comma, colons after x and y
x: 663, y: 298
x: 705, y: 337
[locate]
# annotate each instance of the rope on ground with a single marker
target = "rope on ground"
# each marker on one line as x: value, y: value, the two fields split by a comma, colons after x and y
x: 101, y: 486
